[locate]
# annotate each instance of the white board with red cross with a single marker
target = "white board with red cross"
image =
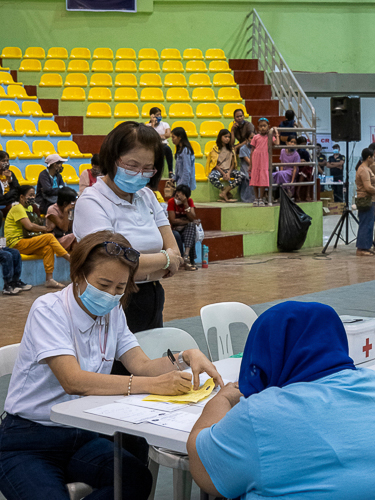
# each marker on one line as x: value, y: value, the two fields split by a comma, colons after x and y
x: 361, y: 337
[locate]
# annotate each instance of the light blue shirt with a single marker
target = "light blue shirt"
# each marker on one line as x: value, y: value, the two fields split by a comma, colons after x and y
x: 185, y: 169
x: 309, y: 440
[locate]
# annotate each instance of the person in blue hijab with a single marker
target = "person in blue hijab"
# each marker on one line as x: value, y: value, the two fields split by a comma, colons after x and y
x: 299, y: 424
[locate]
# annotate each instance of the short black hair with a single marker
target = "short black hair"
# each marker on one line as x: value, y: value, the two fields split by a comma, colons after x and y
x: 3, y: 155
x: 184, y: 189
x: 301, y: 140
x: 291, y: 137
x: 154, y: 110
x: 372, y: 146
x: 22, y: 190
x: 95, y: 159
x: 318, y: 144
x: 126, y: 137
x: 289, y: 114
x: 236, y: 111
x: 335, y: 146
x: 66, y: 195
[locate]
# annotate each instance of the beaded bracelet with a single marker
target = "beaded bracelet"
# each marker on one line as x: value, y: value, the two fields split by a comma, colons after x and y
x: 130, y: 383
x: 168, y: 259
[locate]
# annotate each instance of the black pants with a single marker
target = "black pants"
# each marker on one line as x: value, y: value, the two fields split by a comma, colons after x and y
x: 168, y: 156
x: 338, y: 194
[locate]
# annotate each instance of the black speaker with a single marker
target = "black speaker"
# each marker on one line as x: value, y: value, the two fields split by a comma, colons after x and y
x: 345, y: 119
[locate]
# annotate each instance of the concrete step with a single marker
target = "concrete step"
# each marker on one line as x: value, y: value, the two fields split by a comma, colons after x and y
x: 243, y: 64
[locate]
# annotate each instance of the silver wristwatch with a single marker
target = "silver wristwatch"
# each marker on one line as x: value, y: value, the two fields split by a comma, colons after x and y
x: 181, y: 363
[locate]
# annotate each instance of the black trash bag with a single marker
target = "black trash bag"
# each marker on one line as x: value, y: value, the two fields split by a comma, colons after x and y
x: 293, y: 224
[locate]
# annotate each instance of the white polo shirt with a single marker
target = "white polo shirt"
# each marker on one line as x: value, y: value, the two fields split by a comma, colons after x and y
x: 57, y: 326
x: 99, y: 208
x: 161, y: 128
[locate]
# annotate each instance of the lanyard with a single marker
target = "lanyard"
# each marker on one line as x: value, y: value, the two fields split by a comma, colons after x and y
x: 102, y: 347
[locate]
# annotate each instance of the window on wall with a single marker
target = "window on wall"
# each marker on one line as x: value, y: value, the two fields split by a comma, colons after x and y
x: 102, y: 5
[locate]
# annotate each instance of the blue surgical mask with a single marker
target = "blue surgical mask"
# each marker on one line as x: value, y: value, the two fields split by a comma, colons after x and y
x: 159, y: 119
x: 129, y: 183
x: 98, y: 302
x: 336, y: 151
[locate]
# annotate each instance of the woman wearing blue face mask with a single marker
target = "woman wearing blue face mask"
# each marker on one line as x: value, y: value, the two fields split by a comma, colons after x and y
x: 70, y: 341
x: 164, y: 130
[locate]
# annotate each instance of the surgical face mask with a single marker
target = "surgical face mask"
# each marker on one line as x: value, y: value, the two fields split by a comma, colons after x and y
x: 178, y: 202
x: 98, y: 302
x: 129, y: 183
x: 158, y: 119
x: 336, y: 151
x: 30, y: 201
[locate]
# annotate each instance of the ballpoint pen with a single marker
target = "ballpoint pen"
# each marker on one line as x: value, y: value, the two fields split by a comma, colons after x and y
x: 172, y: 358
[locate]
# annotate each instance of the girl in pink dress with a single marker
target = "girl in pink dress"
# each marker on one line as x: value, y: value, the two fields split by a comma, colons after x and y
x: 259, y: 160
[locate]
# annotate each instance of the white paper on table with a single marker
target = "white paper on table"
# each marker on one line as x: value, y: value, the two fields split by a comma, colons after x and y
x: 127, y: 413
x: 178, y: 420
x: 136, y: 400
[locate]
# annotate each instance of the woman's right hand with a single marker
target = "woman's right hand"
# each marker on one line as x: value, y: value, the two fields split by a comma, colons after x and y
x: 175, y: 261
x: 171, y: 384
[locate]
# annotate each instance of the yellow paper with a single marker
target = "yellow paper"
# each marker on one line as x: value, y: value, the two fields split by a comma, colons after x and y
x: 189, y: 397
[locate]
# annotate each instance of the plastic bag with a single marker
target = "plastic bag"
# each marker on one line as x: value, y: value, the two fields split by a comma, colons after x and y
x: 199, y: 232
x: 293, y: 224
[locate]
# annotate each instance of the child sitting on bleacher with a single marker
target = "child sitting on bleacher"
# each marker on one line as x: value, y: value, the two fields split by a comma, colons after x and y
x: 164, y: 130
x: 289, y: 122
x: 8, y: 184
x: 59, y: 218
x: 90, y: 175
x: 288, y: 173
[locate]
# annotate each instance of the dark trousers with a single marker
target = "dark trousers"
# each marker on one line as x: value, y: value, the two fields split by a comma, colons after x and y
x: 168, y: 156
x: 338, y: 194
x: 365, y: 235
x: 10, y: 259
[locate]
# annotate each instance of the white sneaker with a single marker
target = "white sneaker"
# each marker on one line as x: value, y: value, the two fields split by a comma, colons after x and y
x: 261, y: 203
x: 54, y: 284
x: 256, y: 203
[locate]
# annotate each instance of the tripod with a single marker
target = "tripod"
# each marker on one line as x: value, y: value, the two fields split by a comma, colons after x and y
x: 346, y: 213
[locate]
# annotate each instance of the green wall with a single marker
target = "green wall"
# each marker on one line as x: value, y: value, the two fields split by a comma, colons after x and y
x: 312, y: 36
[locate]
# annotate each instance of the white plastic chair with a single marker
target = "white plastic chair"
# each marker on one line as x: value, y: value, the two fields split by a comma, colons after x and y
x: 220, y: 316
x: 8, y: 356
x: 155, y: 343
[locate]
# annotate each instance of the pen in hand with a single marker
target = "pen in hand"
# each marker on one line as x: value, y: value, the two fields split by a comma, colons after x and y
x: 172, y: 359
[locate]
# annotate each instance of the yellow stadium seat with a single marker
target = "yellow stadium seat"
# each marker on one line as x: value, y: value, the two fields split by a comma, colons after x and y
x: 169, y: 54
x: 189, y: 127
x: 43, y: 148
x: 126, y: 67
x: 148, y: 54
x: 126, y: 110
x: 219, y: 67
x: 33, y: 108
x: 126, y: 94
x: 73, y: 94
x: 50, y: 127
x: 103, y: 53
x: 152, y: 94
x: 173, y: 67
x: 181, y: 111
x: 126, y: 54
x: 210, y: 128
x: 197, y: 149
x: 34, y: 53
x: 229, y: 94
x: 17, y: 172
x: 101, y: 80
x: 1, y: 147
x: 57, y: 53
x: 69, y: 174
x: 196, y: 66
x: 208, y: 147
x: 99, y: 94
x: 3, y: 68
x: 11, y: 53
x: 10, y: 108
x: 19, y: 92
x: 99, y: 110
x: 24, y: 126
x: 212, y: 54
x: 174, y: 80
x: 79, y: 66
x: 229, y: 109
x: 203, y: 94
x: 76, y: 80
x: 193, y: 54
x: 199, y: 80
x: 146, y: 109
x: 224, y: 80
x: 7, y: 79
x: 200, y: 173
x: 51, y: 80
x: 102, y: 66
x: 57, y: 65
x: 30, y: 65
x: 126, y: 80
x: 80, y: 53
x: 149, y: 66
x: 3, y: 94
x: 70, y: 149
x: 6, y: 128
x: 32, y: 173
x: 206, y: 110
x: 150, y: 80
x: 85, y: 166
x: 19, y: 149
x: 178, y: 94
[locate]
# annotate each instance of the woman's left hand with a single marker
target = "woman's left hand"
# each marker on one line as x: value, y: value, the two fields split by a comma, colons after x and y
x: 200, y: 364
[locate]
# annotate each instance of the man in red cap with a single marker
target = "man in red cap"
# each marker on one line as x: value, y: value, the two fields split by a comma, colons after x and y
x: 49, y: 182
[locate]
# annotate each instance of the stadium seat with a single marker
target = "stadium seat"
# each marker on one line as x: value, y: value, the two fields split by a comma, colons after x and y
x: 102, y: 66
x: 203, y: 95
x: 208, y: 147
x: 34, y: 53
x: 189, y: 127
x: 7, y: 79
x: 178, y: 94
x: 99, y: 110
x: 101, y: 80
x: 11, y: 53
x: 57, y: 53
x: 79, y: 66
x: 181, y: 111
x: 126, y: 94
x: 152, y: 94
x: 69, y: 174
x: 126, y: 110
x: 10, y: 108
x: 199, y: 80
x: 76, y: 80
x: 57, y: 65
x: 73, y: 94
x: 126, y: 80
x: 229, y: 94
x: 19, y: 149
x: 212, y: 54
x: 103, y: 53
x: 32, y: 173
x: 196, y: 66
x: 99, y: 94
x: 228, y: 110
x: 219, y: 67
x: 173, y: 80
x: 193, y: 54
x: 210, y: 128
x: 6, y: 128
x: 200, y: 173
x: 206, y: 110
x: 24, y: 126
x: 197, y: 149
x: 43, y: 148
x: 51, y: 128
x: 80, y: 53
x: 17, y: 172
x: 126, y: 54
x: 19, y: 92
x: 85, y: 166
x: 149, y: 66
x: 169, y: 54
x: 126, y: 67
x: 224, y: 80
x: 146, y: 109
x: 173, y: 67
x: 70, y: 149
x: 150, y: 80
x: 33, y: 108
x: 3, y: 68
x: 30, y: 65
x: 148, y: 54
x: 3, y: 94
x: 51, y: 80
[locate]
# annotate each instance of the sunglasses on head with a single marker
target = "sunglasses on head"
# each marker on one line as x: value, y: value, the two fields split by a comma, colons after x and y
x: 118, y: 250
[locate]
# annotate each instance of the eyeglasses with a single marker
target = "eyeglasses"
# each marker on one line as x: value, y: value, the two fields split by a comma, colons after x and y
x: 116, y: 249
x: 147, y: 173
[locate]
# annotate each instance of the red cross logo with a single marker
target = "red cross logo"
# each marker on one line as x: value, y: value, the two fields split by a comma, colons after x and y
x: 367, y: 348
